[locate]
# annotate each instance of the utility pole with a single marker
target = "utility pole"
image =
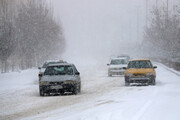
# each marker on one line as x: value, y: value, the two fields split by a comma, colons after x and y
x: 156, y: 4
x: 130, y: 30
x: 167, y: 8
x: 146, y: 12
x: 137, y: 23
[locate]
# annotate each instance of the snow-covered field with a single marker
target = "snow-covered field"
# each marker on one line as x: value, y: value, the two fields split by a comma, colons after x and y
x: 102, y: 98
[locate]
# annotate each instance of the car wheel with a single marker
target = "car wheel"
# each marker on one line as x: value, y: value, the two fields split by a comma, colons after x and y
x: 154, y: 82
x: 79, y: 88
x: 75, y: 91
x: 62, y: 92
x: 126, y: 83
x: 41, y: 92
x: 109, y: 75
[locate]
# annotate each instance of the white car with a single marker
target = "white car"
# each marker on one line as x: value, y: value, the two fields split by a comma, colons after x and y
x: 116, y: 66
x: 60, y: 78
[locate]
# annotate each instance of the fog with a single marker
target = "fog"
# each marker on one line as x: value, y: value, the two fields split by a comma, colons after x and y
x: 97, y: 29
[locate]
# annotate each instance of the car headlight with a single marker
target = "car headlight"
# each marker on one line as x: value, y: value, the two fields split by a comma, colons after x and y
x: 44, y: 83
x: 149, y: 74
x: 110, y: 68
x: 69, y: 82
x: 129, y: 74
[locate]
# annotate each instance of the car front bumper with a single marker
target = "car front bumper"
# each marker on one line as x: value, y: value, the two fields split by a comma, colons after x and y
x: 58, y: 88
x: 116, y: 72
x: 140, y: 80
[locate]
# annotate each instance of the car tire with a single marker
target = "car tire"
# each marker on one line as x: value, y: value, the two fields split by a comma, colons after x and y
x: 41, y: 92
x: 109, y: 75
x: 154, y: 82
x: 126, y: 83
x: 62, y: 93
x: 75, y: 91
x: 79, y: 90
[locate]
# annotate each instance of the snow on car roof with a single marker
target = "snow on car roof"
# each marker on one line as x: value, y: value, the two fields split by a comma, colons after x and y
x: 119, y: 58
x: 140, y: 59
x: 57, y: 64
x: 55, y: 61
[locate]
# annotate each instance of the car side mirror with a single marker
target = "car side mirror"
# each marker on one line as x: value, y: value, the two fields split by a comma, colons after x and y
x: 39, y: 68
x: 155, y: 67
x: 77, y: 73
x: 124, y: 68
x: 107, y: 64
x: 40, y: 74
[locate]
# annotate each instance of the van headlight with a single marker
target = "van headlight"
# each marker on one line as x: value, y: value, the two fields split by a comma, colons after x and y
x: 149, y: 74
x: 69, y: 82
x: 44, y: 83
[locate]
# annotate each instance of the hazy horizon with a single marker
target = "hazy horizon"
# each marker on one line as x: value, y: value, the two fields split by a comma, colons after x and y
x: 102, y: 28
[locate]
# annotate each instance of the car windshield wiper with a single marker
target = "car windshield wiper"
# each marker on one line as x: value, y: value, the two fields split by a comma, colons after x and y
x: 50, y: 74
x: 61, y: 73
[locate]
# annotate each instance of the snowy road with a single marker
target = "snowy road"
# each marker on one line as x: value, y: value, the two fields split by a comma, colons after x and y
x: 102, y: 98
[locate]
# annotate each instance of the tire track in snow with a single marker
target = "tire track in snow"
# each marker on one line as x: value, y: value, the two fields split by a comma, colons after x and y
x: 146, y: 105
x: 142, y: 110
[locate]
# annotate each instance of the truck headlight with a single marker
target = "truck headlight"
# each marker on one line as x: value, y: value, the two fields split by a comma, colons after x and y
x: 149, y: 74
x: 44, y: 83
x: 69, y: 82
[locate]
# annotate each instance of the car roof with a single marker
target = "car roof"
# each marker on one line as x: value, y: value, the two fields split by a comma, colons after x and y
x: 123, y: 55
x: 59, y: 64
x: 118, y: 58
x: 55, y: 61
x: 140, y: 60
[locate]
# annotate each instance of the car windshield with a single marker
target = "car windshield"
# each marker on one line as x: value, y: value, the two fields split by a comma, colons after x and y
x: 140, y: 64
x: 48, y: 63
x: 118, y: 61
x: 59, y: 70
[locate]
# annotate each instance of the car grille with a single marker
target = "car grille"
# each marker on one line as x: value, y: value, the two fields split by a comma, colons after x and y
x: 116, y: 68
x: 56, y: 83
x: 140, y: 81
x: 139, y: 74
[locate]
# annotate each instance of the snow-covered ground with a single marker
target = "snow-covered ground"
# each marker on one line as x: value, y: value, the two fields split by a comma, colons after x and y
x: 102, y: 98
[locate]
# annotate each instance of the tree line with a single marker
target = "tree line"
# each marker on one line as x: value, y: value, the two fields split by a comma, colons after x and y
x: 162, y: 36
x: 29, y: 34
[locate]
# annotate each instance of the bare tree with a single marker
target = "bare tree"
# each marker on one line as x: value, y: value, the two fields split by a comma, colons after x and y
x: 28, y: 36
x: 6, y: 34
x: 38, y: 34
x: 163, y: 35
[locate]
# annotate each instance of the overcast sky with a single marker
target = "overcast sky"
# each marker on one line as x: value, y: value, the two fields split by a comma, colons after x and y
x: 102, y: 27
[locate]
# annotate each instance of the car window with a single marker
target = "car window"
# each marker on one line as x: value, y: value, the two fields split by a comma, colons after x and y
x: 75, y: 68
x: 59, y: 70
x: 48, y: 63
x: 140, y: 64
x: 118, y: 61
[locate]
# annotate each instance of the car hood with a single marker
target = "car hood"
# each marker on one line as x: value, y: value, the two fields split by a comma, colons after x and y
x: 57, y: 78
x: 117, y: 66
x: 139, y: 71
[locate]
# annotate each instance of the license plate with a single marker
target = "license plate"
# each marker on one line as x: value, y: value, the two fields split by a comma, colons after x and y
x: 57, y: 87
